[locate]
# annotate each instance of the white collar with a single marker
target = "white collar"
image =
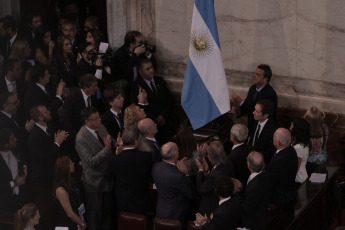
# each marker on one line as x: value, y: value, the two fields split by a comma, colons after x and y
x: 260, y: 88
x: 233, y: 147
x: 91, y: 130
x: 262, y: 124
x: 84, y: 95
x: 7, y: 114
x: 225, y: 199
x: 151, y: 139
x: 9, y: 82
x: 12, y: 39
x: 44, y: 128
x: 113, y: 111
x: 251, y: 176
x: 41, y: 86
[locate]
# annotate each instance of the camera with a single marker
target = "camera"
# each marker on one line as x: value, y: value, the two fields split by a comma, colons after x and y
x: 147, y: 46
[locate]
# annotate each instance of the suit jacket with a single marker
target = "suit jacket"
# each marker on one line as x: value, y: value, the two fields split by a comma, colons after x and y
x: 8, y: 200
x: 110, y: 122
x: 43, y: 152
x: 238, y: 157
x: 132, y: 170
x: 74, y: 104
x: 94, y: 157
x: 20, y: 87
x: 226, y: 216
x: 249, y: 103
x: 255, y: 202
x: 175, y: 191
x: 264, y: 144
x: 159, y: 104
x: 205, y: 187
x: 148, y: 146
x: 283, y: 169
x: 36, y: 96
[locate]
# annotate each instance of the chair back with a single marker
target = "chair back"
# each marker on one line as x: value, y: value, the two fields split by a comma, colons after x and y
x: 130, y: 221
x: 160, y: 223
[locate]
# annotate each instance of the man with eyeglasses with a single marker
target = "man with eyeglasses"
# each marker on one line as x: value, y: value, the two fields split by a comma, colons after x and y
x: 94, y: 146
x: 261, y: 89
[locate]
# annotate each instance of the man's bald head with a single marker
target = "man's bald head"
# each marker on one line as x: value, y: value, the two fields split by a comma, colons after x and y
x: 282, y: 138
x: 256, y: 162
x: 147, y: 127
x: 170, y: 151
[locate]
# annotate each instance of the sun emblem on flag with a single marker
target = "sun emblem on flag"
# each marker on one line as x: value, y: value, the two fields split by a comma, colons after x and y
x: 200, y: 44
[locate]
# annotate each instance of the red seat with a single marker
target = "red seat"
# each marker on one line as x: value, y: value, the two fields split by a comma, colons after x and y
x: 131, y: 221
x: 160, y: 223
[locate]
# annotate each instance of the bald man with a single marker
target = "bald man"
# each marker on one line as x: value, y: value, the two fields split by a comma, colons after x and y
x: 175, y: 190
x: 283, y: 169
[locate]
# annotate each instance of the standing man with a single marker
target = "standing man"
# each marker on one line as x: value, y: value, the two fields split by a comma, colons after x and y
x: 148, y: 142
x: 93, y: 144
x: 158, y: 97
x: 283, y: 169
x: 132, y: 170
x: 175, y: 190
x: 261, y: 89
x: 261, y: 136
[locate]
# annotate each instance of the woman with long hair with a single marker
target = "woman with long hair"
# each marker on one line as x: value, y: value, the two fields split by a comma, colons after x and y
x: 27, y: 217
x: 70, y: 208
x: 43, y: 40
x: 95, y: 37
x: 300, y: 141
x: 63, y: 64
x: 318, y: 139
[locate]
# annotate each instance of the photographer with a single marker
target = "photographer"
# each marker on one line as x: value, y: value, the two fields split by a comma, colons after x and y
x: 126, y: 58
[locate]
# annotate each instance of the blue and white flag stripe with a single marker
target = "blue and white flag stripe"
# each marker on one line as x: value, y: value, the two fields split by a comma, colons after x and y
x: 205, y: 93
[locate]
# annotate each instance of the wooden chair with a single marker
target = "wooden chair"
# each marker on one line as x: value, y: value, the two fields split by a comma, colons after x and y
x: 160, y: 223
x: 130, y: 221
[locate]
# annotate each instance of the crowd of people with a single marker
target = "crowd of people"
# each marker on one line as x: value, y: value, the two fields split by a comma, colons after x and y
x: 65, y: 102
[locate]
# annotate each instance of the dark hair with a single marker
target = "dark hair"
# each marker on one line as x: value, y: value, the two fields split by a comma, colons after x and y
x: 38, y: 72
x: 130, y: 135
x: 58, y: 49
x: 39, y: 35
x: 23, y: 215
x: 266, y: 106
x: 267, y: 71
x: 9, y: 65
x: 223, y: 186
x: 68, y: 21
x: 109, y: 95
x: 93, y: 20
x: 10, y: 22
x: 185, y: 141
x: 86, y: 80
x: 87, y: 112
x: 142, y: 62
x: 82, y: 47
x: 35, y: 112
x: 131, y: 37
x: 300, y: 132
x: 30, y: 15
x: 62, y: 177
x: 97, y: 35
x: 4, y: 98
x: 5, y: 135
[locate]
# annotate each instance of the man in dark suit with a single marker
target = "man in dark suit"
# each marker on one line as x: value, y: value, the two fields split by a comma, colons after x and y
x: 12, y: 81
x: 112, y: 119
x: 261, y: 89
x: 10, y: 27
x: 39, y: 93
x: 261, y: 136
x: 175, y: 190
x: 93, y: 144
x: 13, y: 172
x: 283, y: 169
x: 33, y: 20
x: 206, y: 178
x: 257, y: 193
x: 158, y: 97
x: 228, y: 213
x: 132, y: 170
x: 148, y: 142
x: 44, y: 147
x: 239, y: 152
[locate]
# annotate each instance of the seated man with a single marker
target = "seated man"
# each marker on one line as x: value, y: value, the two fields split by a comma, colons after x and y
x: 132, y: 171
x: 283, y: 169
x: 261, y: 89
x: 148, y: 142
x: 261, y: 136
x: 228, y: 213
x: 257, y: 193
x: 206, y: 178
x: 13, y: 172
x: 175, y: 190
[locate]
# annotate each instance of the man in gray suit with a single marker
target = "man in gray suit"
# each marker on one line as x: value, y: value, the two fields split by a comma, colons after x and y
x: 93, y: 144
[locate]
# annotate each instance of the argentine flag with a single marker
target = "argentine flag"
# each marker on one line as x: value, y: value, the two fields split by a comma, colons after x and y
x: 205, y: 93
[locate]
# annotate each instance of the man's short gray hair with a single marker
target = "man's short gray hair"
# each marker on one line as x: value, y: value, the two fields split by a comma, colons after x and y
x: 169, y: 150
x: 256, y: 161
x: 130, y: 135
x: 216, y: 152
x: 240, y: 132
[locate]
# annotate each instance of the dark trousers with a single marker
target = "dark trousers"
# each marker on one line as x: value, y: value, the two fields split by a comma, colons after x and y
x: 98, y: 210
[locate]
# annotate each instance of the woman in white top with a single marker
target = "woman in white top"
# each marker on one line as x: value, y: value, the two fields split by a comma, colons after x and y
x: 300, y: 141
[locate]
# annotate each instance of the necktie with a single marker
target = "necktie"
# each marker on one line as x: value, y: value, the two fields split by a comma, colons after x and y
x: 89, y: 101
x: 256, y: 135
x: 256, y: 94
x: 12, y: 169
x: 99, y: 137
x: 153, y: 87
